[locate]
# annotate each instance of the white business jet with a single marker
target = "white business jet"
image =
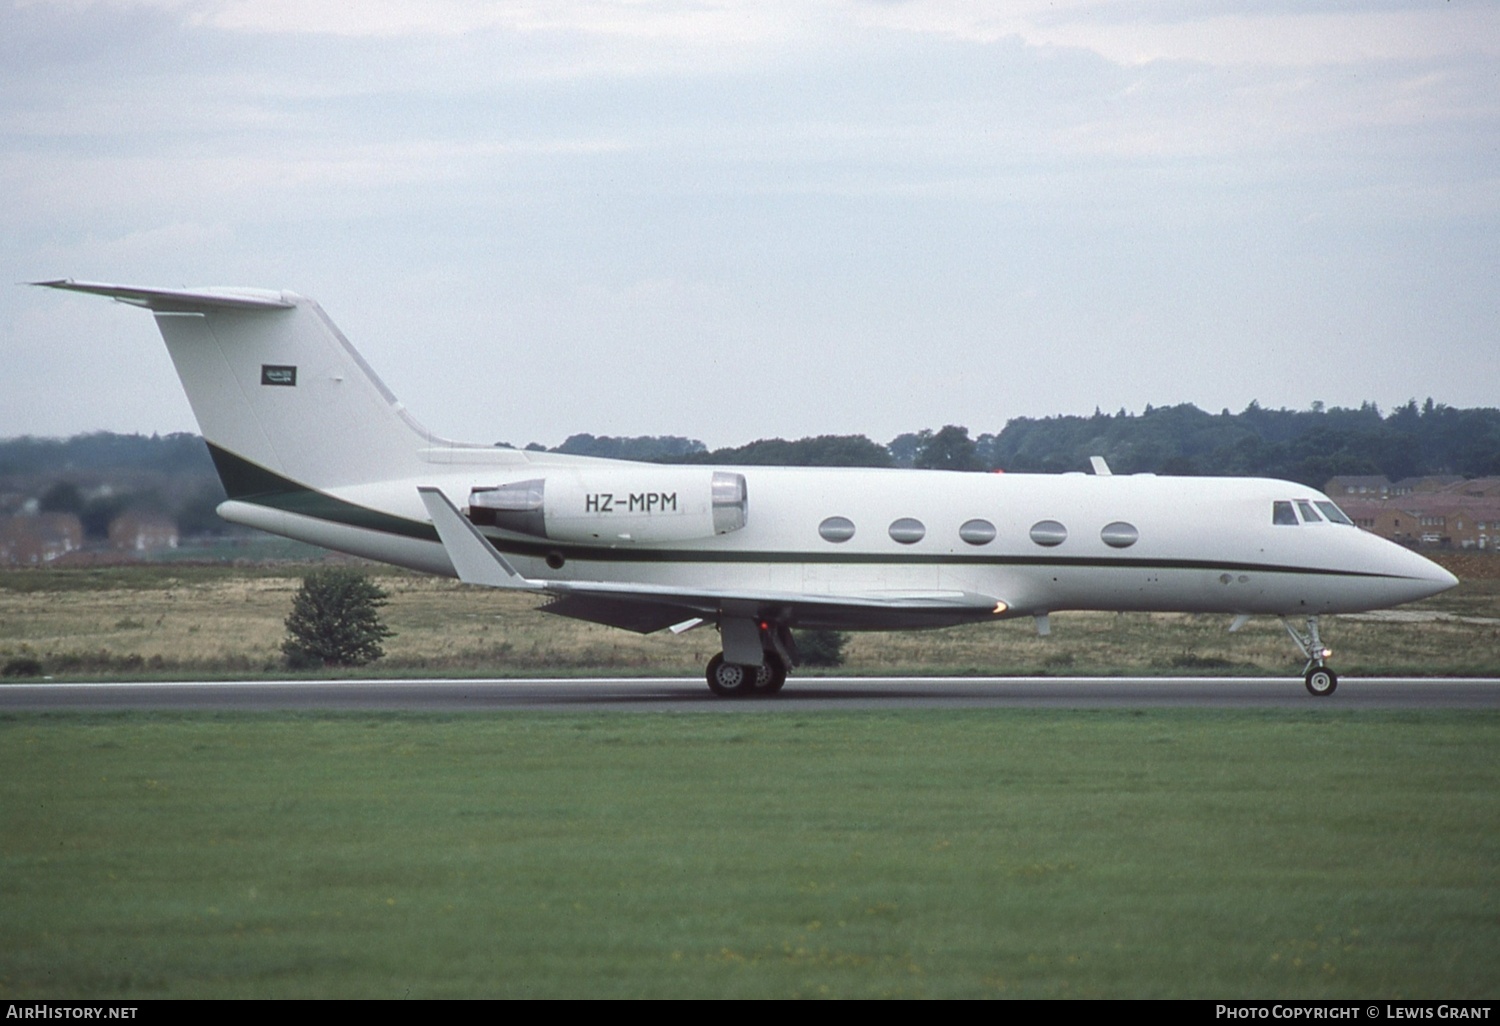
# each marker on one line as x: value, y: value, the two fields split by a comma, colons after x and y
x: 311, y: 445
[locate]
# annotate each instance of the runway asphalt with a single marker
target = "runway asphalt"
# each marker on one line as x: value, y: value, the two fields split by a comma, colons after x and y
x: 684, y: 694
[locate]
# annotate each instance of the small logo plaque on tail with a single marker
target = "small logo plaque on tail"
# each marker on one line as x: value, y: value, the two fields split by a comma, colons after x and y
x: 276, y: 374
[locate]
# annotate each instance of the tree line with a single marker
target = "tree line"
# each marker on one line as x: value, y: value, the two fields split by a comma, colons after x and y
x: 1308, y: 446
x: 173, y: 473
x: 100, y: 475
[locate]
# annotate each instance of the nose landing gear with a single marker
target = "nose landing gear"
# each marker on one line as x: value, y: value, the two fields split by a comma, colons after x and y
x: 1320, y: 680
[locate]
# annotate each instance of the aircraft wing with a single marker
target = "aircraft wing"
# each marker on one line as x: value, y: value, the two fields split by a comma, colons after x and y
x: 652, y: 607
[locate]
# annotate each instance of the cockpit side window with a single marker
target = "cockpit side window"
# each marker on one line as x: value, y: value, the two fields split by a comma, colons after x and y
x: 1282, y: 513
x: 1333, y: 513
x: 1309, y: 515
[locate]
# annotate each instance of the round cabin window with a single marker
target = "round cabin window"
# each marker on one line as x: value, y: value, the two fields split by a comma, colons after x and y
x: 907, y: 531
x: 977, y: 532
x: 1048, y: 533
x: 836, y: 529
x: 1119, y: 535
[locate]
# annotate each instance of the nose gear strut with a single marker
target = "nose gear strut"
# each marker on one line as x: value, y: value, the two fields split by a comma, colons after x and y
x: 1320, y: 680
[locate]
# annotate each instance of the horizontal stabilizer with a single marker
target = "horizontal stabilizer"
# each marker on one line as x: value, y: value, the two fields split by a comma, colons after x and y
x: 177, y: 300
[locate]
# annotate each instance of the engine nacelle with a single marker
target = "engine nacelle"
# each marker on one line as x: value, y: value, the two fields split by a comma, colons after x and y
x: 638, y: 504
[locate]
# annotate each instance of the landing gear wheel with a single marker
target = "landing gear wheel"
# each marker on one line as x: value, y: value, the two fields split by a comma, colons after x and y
x: 730, y: 680
x: 770, y: 675
x: 1321, y: 681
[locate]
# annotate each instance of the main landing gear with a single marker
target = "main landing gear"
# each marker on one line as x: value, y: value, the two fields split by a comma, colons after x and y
x: 757, y: 656
x: 732, y: 680
x: 1320, y: 680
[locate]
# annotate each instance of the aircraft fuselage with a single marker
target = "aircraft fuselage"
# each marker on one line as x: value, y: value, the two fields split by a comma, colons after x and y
x: 1184, y: 544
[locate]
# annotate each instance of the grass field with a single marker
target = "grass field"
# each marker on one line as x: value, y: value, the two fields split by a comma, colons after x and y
x: 174, y: 620
x: 1005, y: 853
x: 1174, y: 853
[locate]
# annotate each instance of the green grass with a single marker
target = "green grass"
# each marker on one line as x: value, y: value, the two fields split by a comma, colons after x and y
x: 184, y: 622
x: 1167, y: 853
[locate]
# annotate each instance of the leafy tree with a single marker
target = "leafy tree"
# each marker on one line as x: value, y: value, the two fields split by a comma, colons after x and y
x: 62, y: 497
x: 103, y: 450
x: 822, y: 451
x: 335, y: 620
x: 949, y: 449
x: 197, y: 514
x: 100, y: 511
x: 903, y: 448
x: 663, y: 448
x: 821, y: 648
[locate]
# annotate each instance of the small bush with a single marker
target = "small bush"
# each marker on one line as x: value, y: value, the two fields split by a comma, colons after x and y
x: 821, y: 648
x: 335, y: 620
x: 21, y: 666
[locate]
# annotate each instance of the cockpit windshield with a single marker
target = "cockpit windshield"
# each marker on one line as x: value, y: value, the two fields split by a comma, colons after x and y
x: 1333, y: 513
x: 1284, y: 512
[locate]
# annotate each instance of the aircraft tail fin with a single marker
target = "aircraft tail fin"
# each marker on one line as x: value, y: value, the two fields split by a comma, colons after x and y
x: 276, y: 387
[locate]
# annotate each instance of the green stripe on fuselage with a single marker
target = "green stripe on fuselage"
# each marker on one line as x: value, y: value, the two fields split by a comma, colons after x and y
x: 250, y: 482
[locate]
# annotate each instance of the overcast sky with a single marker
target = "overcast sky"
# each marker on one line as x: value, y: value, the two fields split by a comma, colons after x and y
x: 739, y: 220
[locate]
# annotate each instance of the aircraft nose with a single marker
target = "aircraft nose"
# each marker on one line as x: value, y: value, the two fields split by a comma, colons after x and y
x: 1427, y: 578
x: 1440, y: 578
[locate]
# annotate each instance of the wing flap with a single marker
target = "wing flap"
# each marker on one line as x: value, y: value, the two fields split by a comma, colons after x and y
x: 647, y: 609
x: 641, y: 617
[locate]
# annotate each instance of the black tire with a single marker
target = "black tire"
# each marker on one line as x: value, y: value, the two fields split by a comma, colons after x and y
x: 770, y: 675
x: 1321, y: 682
x: 729, y: 680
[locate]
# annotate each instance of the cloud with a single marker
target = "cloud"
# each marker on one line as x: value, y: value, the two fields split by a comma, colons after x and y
x: 1126, y: 33
x: 699, y: 23
x: 149, y: 245
x: 657, y: 189
x: 1132, y: 34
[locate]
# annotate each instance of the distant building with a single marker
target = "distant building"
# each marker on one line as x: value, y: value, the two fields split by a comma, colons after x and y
x: 1426, y: 485
x: 39, y: 538
x: 1447, y: 519
x: 1479, y: 486
x: 135, y: 531
x: 1364, y: 485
